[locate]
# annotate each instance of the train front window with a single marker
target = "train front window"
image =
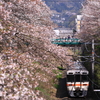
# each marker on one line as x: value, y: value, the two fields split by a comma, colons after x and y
x: 77, y: 78
x: 70, y: 78
x: 84, y: 78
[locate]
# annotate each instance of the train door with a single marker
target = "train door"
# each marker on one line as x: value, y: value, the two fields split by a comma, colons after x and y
x: 77, y: 85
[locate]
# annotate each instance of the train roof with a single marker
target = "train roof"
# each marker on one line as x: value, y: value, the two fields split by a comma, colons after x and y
x: 77, y: 68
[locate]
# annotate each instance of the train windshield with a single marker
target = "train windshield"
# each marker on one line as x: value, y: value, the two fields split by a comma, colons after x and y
x: 77, y: 78
x: 84, y: 78
x: 81, y: 78
x: 70, y: 78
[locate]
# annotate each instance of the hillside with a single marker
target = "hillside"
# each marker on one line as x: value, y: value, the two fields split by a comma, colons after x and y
x: 28, y: 61
x: 65, y: 11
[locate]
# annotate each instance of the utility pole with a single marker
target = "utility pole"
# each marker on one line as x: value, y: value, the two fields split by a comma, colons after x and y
x: 93, y: 59
x: 93, y: 63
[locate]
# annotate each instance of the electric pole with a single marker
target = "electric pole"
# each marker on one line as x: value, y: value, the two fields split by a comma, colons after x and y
x: 93, y: 63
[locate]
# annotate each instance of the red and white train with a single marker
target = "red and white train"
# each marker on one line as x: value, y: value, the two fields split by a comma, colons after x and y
x: 77, y: 80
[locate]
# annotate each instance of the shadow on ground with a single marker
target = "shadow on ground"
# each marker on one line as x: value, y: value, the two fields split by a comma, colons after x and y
x: 62, y: 90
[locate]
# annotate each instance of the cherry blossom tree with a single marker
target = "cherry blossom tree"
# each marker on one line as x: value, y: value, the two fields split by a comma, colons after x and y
x: 27, y: 58
x: 90, y: 26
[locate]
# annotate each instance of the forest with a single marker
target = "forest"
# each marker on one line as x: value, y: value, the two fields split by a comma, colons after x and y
x: 28, y: 61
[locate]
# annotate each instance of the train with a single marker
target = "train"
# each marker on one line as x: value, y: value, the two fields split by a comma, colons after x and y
x: 77, y: 81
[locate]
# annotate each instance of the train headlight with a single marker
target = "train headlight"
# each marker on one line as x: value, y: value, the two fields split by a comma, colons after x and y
x: 70, y: 85
x: 85, y: 84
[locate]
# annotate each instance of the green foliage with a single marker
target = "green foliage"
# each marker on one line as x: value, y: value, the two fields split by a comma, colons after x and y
x: 46, y: 66
x: 59, y: 76
x: 57, y: 71
x: 54, y: 71
x: 56, y: 86
x: 44, y: 92
x: 60, y: 67
x: 36, y: 62
x: 39, y: 88
x: 0, y: 20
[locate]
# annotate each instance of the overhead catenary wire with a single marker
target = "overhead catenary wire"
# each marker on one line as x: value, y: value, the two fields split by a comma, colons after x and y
x: 96, y: 55
x: 88, y: 60
x: 86, y: 48
x: 93, y: 82
x: 97, y: 62
x: 79, y: 56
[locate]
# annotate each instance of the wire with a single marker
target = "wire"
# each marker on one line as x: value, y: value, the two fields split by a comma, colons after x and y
x: 96, y: 55
x: 85, y: 61
x: 86, y: 48
x: 97, y: 62
x: 94, y: 83
x: 85, y: 57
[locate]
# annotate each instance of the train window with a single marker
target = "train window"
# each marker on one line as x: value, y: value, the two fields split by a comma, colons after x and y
x: 77, y: 78
x: 84, y: 78
x: 70, y: 78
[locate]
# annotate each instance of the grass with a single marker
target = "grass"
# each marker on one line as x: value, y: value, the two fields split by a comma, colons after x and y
x: 39, y: 88
x: 36, y: 62
x: 44, y: 92
x: 59, y: 76
x: 56, y: 71
x: 46, y: 66
x: 60, y: 68
x: 56, y: 86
